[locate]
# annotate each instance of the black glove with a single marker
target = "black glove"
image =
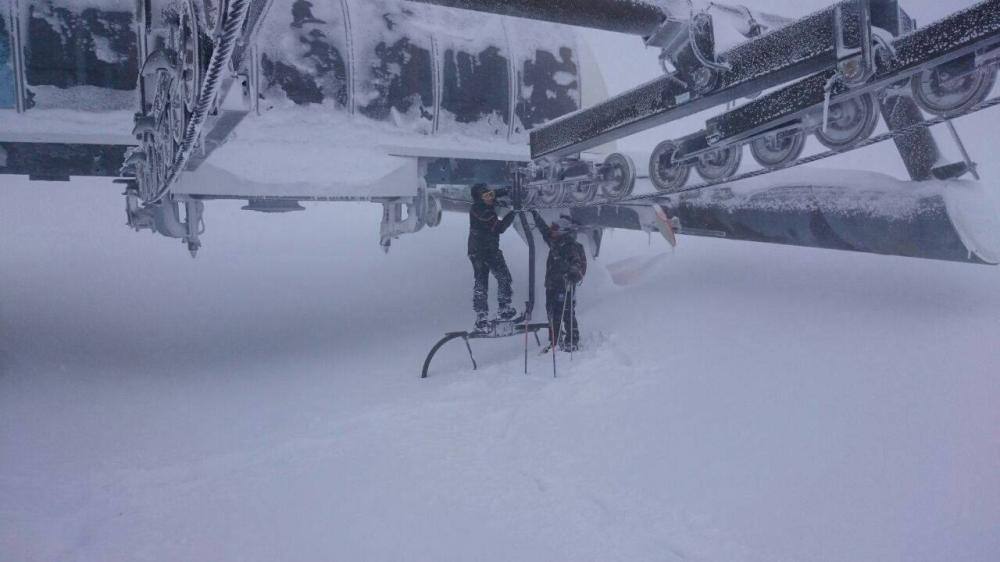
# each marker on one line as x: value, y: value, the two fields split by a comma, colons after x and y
x: 505, y: 222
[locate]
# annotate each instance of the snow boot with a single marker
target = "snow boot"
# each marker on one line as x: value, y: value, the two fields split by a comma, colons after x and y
x: 568, y: 347
x: 482, y: 321
x: 507, y: 312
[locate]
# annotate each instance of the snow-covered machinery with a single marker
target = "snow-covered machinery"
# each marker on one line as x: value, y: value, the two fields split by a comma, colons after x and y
x: 343, y: 101
x: 829, y: 74
x: 407, y: 103
x: 277, y: 101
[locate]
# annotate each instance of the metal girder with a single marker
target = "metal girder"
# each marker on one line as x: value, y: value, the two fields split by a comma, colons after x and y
x: 791, y: 52
x: 635, y: 17
x: 955, y: 36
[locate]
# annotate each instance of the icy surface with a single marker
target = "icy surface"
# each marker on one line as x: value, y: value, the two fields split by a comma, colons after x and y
x: 318, y: 146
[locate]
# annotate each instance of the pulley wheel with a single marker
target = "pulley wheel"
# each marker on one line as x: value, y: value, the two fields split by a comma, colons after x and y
x: 528, y: 196
x: 775, y: 149
x: 939, y: 92
x: 666, y: 174
x: 153, y: 171
x: 580, y: 191
x: 549, y: 194
x: 720, y: 164
x: 704, y: 80
x: 617, y: 176
x: 176, y: 113
x: 163, y: 149
x: 850, y: 122
x: 144, y: 176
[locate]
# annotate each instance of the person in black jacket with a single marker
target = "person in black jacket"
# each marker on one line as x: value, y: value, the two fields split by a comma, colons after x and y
x: 485, y: 228
x: 564, y: 269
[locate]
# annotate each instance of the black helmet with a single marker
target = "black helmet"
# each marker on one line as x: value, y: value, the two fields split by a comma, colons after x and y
x: 478, y: 190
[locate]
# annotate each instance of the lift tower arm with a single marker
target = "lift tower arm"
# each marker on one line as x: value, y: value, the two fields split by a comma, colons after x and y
x: 634, y: 17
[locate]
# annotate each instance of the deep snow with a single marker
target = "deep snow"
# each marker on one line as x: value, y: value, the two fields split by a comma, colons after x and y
x: 739, y: 402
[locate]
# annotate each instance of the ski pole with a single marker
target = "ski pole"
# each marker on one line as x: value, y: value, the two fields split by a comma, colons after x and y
x: 526, y: 348
x: 552, y: 347
x: 572, y: 320
x: 562, y: 317
x: 526, y: 338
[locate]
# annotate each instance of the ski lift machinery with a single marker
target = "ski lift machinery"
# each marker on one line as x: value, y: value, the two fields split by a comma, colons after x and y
x: 834, y: 71
x: 209, y: 68
x: 830, y: 74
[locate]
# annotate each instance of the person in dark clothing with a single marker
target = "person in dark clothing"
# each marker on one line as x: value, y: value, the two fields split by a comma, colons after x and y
x: 564, y: 269
x: 485, y: 228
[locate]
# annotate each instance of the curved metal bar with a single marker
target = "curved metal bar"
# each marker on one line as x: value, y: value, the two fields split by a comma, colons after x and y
x: 710, y: 63
x: 447, y: 338
x: 518, y: 330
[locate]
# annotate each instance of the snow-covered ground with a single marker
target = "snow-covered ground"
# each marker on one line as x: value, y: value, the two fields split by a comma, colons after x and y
x: 737, y: 402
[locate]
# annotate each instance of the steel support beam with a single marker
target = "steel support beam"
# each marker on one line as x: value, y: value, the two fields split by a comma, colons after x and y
x: 791, y: 52
x: 957, y: 35
x: 634, y: 17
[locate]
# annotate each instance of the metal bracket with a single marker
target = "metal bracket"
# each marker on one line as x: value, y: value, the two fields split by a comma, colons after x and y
x: 671, y: 36
x: 709, y: 61
x: 164, y: 218
x: 827, y: 92
x: 674, y: 35
x: 856, y: 65
x: 970, y: 165
x: 418, y: 210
